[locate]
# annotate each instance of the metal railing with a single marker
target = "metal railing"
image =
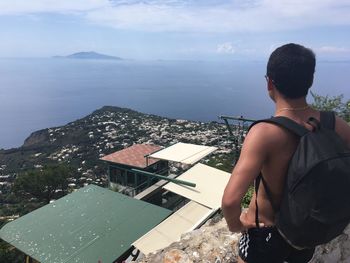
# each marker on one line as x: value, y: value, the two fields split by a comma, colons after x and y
x: 173, y: 180
x: 236, y: 135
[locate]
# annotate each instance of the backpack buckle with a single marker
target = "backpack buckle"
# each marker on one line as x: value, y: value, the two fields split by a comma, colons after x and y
x: 316, y: 125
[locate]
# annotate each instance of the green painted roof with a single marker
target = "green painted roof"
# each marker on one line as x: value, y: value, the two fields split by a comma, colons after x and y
x: 88, y: 225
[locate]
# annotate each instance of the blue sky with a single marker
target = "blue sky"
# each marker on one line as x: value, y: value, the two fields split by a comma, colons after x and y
x: 174, y: 29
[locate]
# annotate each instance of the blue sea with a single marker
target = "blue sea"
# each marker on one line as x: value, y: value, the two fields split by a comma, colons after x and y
x: 42, y: 93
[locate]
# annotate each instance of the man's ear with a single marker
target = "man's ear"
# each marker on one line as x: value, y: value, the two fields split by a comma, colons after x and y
x: 270, y: 85
x: 271, y: 89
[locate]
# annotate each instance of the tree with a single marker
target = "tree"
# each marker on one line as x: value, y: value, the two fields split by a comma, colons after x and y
x: 42, y: 184
x: 10, y: 254
x: 335, y: 104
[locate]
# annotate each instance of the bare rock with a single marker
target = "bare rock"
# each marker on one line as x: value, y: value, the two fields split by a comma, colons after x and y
x: 214, y: 243
x: 338, y: 250
x: 38, y: 137
x: 176, y: 256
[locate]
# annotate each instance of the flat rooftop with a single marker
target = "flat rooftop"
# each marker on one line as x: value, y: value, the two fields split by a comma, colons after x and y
x: 210, y: 185
x: 93, y: 224
x: 186, y: 219
x: 134, y: 155
x: 185, y: 153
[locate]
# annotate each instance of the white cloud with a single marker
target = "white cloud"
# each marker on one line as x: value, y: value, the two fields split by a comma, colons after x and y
x: 226, y: 48
x: 17, y: 7
x: 332, y: 49
x: 256, y: 15
x: 192, y: 16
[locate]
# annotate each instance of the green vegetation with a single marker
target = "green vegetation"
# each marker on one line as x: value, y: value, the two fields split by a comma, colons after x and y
x: 247, y: 197
x: 10, y: 254
x: 45, y: 184
x: 336, y: 104
x: 31, y: 190
x: 222, y: 162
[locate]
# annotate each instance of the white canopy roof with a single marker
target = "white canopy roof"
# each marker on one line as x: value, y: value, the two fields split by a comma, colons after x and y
x: 170, y: 230
x: 184, y: 153
x: 210, y: 184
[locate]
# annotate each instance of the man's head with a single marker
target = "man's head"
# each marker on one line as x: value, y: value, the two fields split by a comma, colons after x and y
x: 291, y: 69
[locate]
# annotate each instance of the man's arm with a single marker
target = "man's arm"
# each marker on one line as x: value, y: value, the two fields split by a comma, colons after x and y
x: 253, y: 155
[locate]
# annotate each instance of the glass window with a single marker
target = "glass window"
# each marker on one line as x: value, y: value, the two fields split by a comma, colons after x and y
x: 121, y: 177
x: 130, y: 178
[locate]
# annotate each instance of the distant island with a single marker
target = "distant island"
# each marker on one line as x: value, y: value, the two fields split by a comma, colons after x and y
x: 89, y: 55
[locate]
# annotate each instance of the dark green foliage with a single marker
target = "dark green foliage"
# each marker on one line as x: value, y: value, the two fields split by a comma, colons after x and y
x: 247, y: 197
x: 8, y: 254
x: 42, y: 184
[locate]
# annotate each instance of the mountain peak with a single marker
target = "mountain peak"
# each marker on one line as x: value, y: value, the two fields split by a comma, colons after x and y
x: 89, y: 55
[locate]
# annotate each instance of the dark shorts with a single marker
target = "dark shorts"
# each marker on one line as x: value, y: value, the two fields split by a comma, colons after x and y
x: 265, y: 244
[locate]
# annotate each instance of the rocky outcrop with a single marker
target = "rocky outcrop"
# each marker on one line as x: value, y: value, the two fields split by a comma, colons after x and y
x: 37, y: 138
x: 338, y: 250
x: 214, y: 243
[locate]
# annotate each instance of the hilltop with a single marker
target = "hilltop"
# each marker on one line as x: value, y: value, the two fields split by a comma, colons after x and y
x: 89, y: 55
x: 82, y: 142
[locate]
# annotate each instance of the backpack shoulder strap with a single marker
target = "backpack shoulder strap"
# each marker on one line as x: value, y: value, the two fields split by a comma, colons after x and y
x: 269, y: 196
x: 327, y: 119
x: 286, y: 123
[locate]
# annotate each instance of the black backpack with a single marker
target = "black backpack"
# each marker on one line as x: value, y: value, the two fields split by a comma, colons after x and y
x: 315, y: 206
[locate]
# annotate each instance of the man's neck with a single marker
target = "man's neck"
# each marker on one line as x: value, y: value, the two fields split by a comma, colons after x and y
x: 283, y: 104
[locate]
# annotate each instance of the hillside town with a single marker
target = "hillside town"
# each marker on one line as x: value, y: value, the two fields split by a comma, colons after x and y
x: 83, y: 142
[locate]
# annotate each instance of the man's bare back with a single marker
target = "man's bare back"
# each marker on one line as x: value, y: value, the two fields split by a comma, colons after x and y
x: 281, y: 147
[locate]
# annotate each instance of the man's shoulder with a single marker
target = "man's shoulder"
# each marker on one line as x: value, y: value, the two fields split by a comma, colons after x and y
x: 268, y: 137
x: 268, y: 131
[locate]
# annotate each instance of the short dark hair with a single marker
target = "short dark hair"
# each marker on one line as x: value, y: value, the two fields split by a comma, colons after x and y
x: 292, y: 67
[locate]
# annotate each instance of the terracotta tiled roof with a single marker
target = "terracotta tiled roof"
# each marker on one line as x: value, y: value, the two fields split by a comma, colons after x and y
x: 133, y: 155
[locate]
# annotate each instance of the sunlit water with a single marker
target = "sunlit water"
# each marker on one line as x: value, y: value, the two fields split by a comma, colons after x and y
x: 42, y: 93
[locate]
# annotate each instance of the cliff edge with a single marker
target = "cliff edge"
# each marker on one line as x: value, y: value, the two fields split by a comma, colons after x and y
x: 213, y: 242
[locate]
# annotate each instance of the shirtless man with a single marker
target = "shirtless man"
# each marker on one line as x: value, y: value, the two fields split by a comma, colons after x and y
x: 268, y: 149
